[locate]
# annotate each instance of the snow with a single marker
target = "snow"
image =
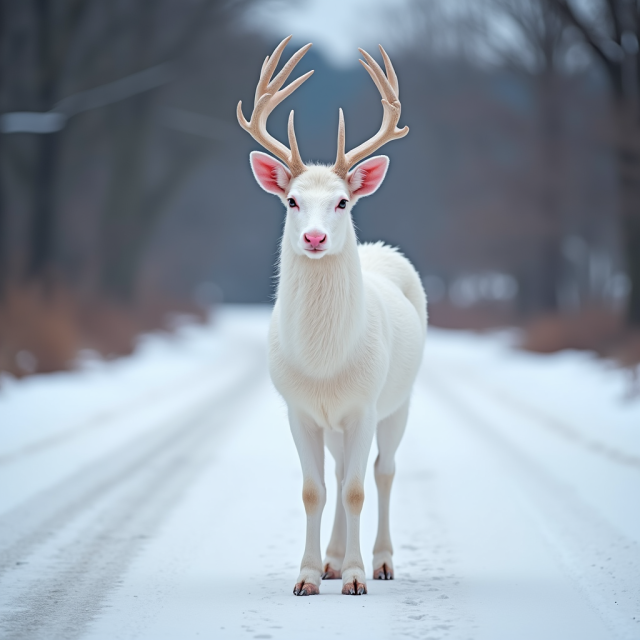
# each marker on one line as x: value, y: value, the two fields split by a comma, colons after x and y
x: 158, y: 496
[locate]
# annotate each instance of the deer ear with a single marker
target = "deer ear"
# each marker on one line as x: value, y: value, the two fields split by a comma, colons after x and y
x: 368, y: 176
x: 270, y: 174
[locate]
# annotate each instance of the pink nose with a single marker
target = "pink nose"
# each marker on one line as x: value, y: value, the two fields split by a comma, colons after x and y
x: 315, y: 238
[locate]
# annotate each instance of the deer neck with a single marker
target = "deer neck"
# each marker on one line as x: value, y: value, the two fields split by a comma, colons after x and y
x: 322, y: 309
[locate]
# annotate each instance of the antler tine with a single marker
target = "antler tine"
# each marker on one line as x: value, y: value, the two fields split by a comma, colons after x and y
x: 341, y: 132
x: 296, y: 165
x: 340, y: 167
x: 267, y: 98
x: 391, y: 73
x: 272, y: 62
x: 264, y: 64
x: 281, y: 78
x: 373, y: 76
x: 289, y: 89
x: 388, y: 88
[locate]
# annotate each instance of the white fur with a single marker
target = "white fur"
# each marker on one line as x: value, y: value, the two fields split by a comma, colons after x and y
x: 345, y: 345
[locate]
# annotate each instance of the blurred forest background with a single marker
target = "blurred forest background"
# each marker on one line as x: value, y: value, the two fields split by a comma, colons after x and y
x: 126, y: 198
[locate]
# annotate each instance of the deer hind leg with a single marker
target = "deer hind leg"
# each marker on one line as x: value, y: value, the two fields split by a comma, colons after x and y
x: 390, y: 432
x: 309, y: 442
x: 332, y: 565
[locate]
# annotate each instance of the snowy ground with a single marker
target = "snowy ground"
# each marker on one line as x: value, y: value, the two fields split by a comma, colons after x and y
x: 158, y: 496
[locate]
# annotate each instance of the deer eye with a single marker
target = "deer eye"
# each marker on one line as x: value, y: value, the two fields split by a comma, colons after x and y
x: 292, y: 203
x: 342, y: 204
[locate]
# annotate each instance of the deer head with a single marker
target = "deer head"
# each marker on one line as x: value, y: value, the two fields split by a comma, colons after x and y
x: 319, y: 198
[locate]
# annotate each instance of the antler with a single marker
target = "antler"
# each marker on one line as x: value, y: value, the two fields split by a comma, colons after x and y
x: 388, y: 88
x: 267, y: 98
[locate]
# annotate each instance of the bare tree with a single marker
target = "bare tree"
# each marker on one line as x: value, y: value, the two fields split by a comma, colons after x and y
x: 81, y: 195
x: 535, y: 44
x: 132, y: 208
x: 611, y: 28
x: 527, y: 39
x: 56, y: 48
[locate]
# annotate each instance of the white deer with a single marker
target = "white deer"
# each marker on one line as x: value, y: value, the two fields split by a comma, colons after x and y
x: 347, y: 329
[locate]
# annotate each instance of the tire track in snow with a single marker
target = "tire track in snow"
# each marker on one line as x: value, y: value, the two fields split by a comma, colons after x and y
x: 28, y: 524
x: 103, y: 418
x: 117, y: 502
x: 553, y: 424
x: 604, y: 563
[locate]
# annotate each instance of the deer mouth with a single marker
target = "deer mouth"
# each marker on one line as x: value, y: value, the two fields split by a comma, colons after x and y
x: 314, y: 253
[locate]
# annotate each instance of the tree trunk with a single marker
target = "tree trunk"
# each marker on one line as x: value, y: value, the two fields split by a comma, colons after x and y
x: 631, y: 228
x: 4, y: 262
x: 124, y: 208
x: 549, y: 159
x: 3, y: 215
x: 42, y: 231
x: 41, y: 234
x: 628, y: 158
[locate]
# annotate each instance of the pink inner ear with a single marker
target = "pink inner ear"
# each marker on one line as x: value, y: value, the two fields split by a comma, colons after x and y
x: 271, y: 175
x: 368, y: 176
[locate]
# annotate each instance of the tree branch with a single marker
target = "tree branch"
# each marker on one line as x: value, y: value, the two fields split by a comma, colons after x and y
x: 615, y: 20
x: 569, y: 14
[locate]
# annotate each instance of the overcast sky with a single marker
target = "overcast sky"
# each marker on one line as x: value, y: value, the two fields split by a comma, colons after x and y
x: 336, y: 27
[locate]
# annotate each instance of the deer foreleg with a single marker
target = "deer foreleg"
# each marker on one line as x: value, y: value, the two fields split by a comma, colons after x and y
x: 357, y: 444
x: 335, y: 550
x: 309, y: 442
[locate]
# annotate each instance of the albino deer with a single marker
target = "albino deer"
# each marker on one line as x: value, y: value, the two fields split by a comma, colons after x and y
x: 347, y: 330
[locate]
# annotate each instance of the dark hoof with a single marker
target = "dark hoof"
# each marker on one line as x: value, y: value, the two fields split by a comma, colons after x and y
x: 331, y: 574
x: 305, y: 589
x: 383, y: 573
x: 354, y: 588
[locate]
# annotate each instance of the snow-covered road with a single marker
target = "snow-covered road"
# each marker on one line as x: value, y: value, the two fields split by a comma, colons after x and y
x: 158, y: 496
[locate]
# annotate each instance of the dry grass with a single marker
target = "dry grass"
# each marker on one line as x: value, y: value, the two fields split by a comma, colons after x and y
x: 42, y: 330
x: 38, y: 330
x: 596, y: 329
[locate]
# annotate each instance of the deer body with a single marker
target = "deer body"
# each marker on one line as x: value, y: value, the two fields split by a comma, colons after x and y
x: 346, y: 334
